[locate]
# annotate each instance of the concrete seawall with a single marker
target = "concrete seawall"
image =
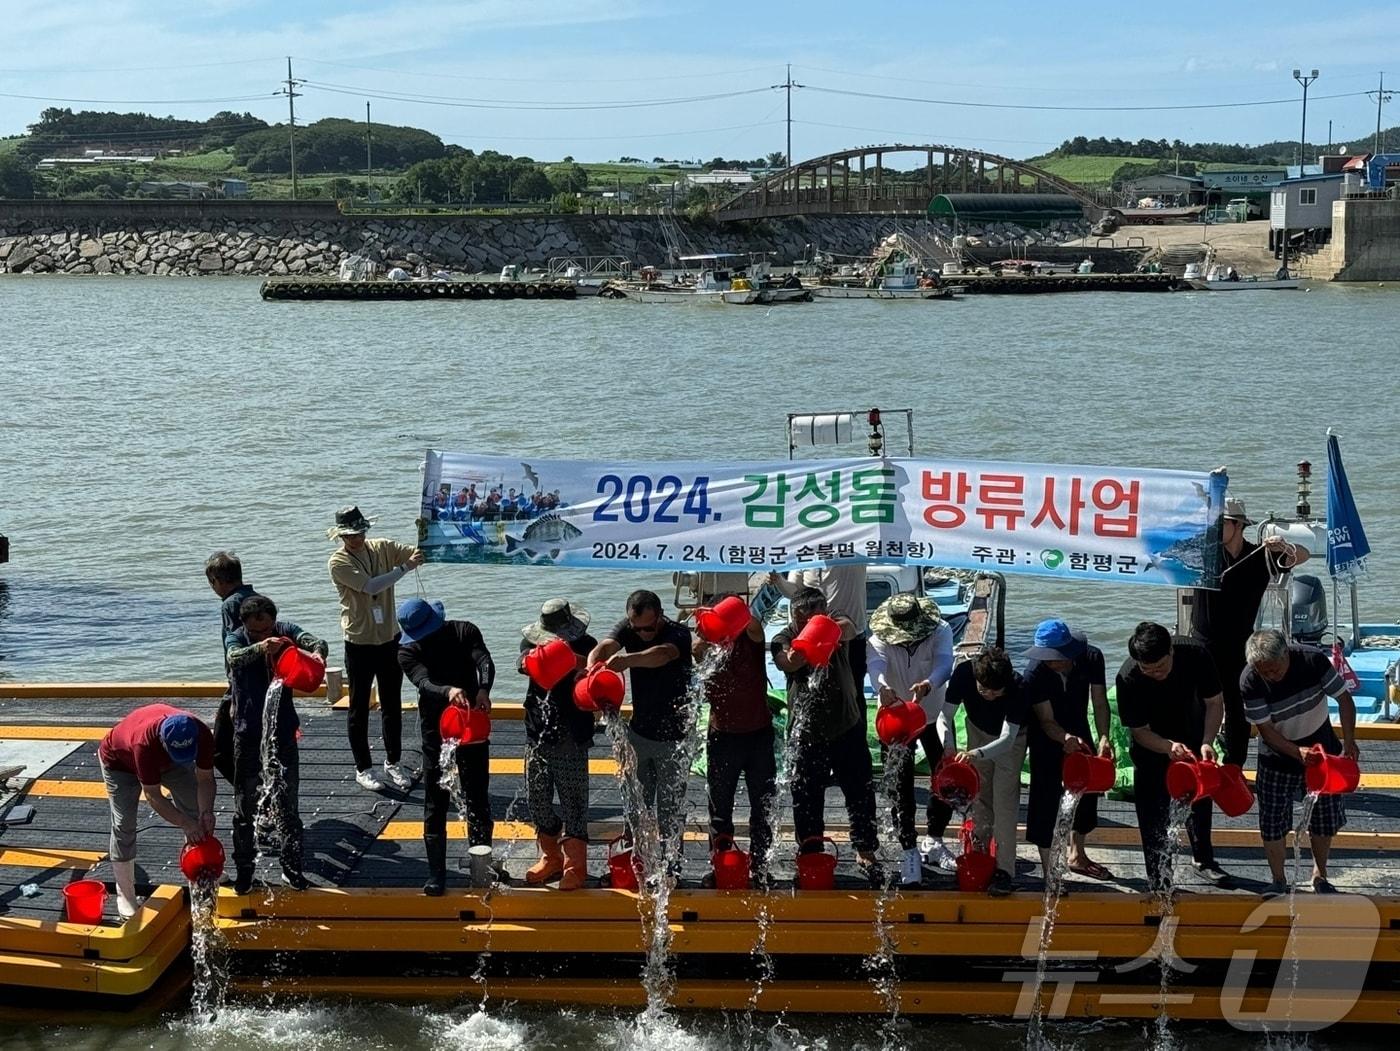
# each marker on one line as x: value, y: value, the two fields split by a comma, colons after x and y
x: 275, y: 238
x: 1365, y: 240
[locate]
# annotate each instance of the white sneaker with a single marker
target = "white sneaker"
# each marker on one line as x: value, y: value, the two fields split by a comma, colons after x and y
x: 369, y: 780
x: 940, y: 857
x: 911, y: 869
x: 399, y: 777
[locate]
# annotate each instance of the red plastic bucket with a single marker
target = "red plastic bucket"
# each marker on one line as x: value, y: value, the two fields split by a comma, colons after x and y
x: 975, y: 868
x: 723, y: 623
x: 957, y: 784
x: 300, y: 670
x: 464, y: 725
x: 602, y: 688
x: 202, y: 860
x: 1192, y: 781
x: 730, y: 865
x: 622, y: 865
x: 818, y: 640
x: 85, y: 900
x: 1233, y: 795
x: 899, y: 723
x: 548, y: 664
x: 1330, y: 775
x: 816, y: 870
x: 1091, y: 774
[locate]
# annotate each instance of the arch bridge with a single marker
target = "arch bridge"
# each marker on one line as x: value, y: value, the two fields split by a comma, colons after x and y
x: 858, y: 182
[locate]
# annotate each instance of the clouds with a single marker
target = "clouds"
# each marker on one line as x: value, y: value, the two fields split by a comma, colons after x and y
x: 612, y: 49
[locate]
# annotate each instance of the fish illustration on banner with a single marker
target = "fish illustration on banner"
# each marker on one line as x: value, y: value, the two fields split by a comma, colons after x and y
x: 1127, y: 525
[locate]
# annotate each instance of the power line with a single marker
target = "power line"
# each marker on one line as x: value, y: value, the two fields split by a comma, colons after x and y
x: 446, y: 136
x: 524, y: 104
x: 139, y: 102
x: 572, y: 81
x: 920, y: 134
x: 958, y: 103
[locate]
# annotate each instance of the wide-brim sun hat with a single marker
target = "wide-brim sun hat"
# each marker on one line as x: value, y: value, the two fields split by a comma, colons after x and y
x: 179, y: 733
x: 418, y: 618
x: 903, y: 619
x: 558, y: 620
x: 349, y: 521
x: 1234, y: 509
x: 1054, y: 641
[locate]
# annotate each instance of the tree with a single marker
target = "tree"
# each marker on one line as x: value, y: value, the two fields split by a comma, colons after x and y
x: 16, y: 177
x: 532, y: 185
x: 776, y: 159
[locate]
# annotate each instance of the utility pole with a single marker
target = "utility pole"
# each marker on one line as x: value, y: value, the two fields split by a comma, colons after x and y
x: 369, y: 157
x: 292, y: 95
x: 1382, y: 96
x: 787, y: 85
x: 1303, y: 138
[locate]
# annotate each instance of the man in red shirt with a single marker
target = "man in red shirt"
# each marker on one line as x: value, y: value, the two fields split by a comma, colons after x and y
x: 155, y: 747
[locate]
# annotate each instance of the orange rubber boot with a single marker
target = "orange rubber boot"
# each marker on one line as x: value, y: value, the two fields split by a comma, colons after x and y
x: 575, y: 864
x: 551, y: 862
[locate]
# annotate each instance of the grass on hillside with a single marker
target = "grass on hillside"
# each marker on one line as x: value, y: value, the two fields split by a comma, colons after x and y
x: 1097, y: 169
x: 6, y: 145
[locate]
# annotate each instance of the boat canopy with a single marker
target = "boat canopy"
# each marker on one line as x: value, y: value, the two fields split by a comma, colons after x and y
x: 1023, y: 208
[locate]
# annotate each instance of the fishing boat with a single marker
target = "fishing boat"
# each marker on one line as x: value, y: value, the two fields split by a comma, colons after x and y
x: 712, y: 279
x: 1208, y: 275
x: 893, y: 279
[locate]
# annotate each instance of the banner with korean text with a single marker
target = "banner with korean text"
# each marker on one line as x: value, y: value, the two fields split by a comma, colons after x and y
x: 1085, y: 523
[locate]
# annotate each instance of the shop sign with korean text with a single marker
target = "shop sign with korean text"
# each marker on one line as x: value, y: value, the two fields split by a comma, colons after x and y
x: 1129, y: 525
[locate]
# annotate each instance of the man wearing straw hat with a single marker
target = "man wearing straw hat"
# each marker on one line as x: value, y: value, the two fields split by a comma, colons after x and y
x: 365, y: 572
x: 909, y: 656
x: 449, y: 663
x: 558, y: 735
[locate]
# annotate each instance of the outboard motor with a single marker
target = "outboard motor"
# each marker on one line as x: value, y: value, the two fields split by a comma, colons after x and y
x: 1309, y: 602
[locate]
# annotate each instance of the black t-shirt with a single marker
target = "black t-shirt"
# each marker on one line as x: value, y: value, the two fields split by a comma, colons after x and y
x: 658, y: 694
x: 1068, y: 696
x: 1224, y: 619
x: 826, y: 696
x: 551, y: 714
x: 987, y: 716
x: 1173, y: 708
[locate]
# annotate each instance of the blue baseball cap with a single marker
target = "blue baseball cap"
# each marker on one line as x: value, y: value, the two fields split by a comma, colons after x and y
x: 1054, y: 641
x: 418, y: 618
x: 179, y: 734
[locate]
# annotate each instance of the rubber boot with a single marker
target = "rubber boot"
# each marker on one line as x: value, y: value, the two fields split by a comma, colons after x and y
x: 551, y: 862
x: 436, y: 847
x: 575, y: 864
x: 124, y: 876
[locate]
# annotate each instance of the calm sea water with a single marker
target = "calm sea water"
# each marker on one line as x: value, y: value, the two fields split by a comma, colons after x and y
x: 148, y: 423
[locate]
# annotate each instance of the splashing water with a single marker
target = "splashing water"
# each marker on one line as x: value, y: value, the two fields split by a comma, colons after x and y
x: 1050, y: 908
x: 879, y: 966
x: 450, y: 779
x: 1294, y: 963
x: 269, y: 821
x: 1177, y: 816
x: 207, y: 953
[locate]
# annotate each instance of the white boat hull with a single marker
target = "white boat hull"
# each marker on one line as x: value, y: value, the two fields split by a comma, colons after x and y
x: 653, y: 295
x: 783, y: 295
x: 845, y: 292
x: 1201, y: 284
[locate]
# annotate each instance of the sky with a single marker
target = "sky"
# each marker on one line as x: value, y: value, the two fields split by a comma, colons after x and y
x: 690, y: 80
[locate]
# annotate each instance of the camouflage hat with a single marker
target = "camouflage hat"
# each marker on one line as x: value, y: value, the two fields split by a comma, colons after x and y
x: 905, y: 618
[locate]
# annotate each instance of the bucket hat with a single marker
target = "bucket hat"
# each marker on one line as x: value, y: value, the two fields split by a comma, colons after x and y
x: 1054, y: 641
x: 418, y: 618
x: 179, y: 733
x: 902, y: 619
x: 349, y: 521
x: 558, y: 620
x: 1234, y: 509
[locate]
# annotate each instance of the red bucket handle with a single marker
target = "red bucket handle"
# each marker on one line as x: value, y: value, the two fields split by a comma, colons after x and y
x: 819, y: 839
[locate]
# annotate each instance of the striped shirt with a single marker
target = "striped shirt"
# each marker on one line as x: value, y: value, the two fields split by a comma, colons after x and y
x: 1297, y: 703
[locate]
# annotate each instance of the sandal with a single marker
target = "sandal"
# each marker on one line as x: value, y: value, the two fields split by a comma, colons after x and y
x: 1093, y: 870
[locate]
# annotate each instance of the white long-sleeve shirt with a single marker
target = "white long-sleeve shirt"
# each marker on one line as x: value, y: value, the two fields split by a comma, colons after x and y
x: 900, y: 666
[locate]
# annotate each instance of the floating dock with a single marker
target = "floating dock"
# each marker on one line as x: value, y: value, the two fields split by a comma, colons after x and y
x: 1042, y: 284
x: 294, y: 288
x: 365, y: 930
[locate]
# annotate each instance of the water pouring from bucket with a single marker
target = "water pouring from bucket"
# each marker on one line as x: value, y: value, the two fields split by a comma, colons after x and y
x: 299, y: 669
x: 1085, y: 774
x: 900, y: 723
x: 203, y: 862
x: 817, y: 640
x: 1330, y: 775
x: 464, y: 725
x: 1190, y: 781
x: 957, y: 784
x: 549, y: 664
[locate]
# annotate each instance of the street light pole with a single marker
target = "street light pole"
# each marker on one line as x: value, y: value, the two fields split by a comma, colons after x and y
x: 1303, y: 138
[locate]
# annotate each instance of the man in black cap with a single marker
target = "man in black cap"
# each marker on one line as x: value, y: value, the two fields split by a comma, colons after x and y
x: 365, y: 572
x: 1064, y: 680
x: 449, y: 663
x: 1223, y: 620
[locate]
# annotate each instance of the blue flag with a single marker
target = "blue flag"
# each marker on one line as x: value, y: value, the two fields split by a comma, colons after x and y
x: 1346, y: 540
